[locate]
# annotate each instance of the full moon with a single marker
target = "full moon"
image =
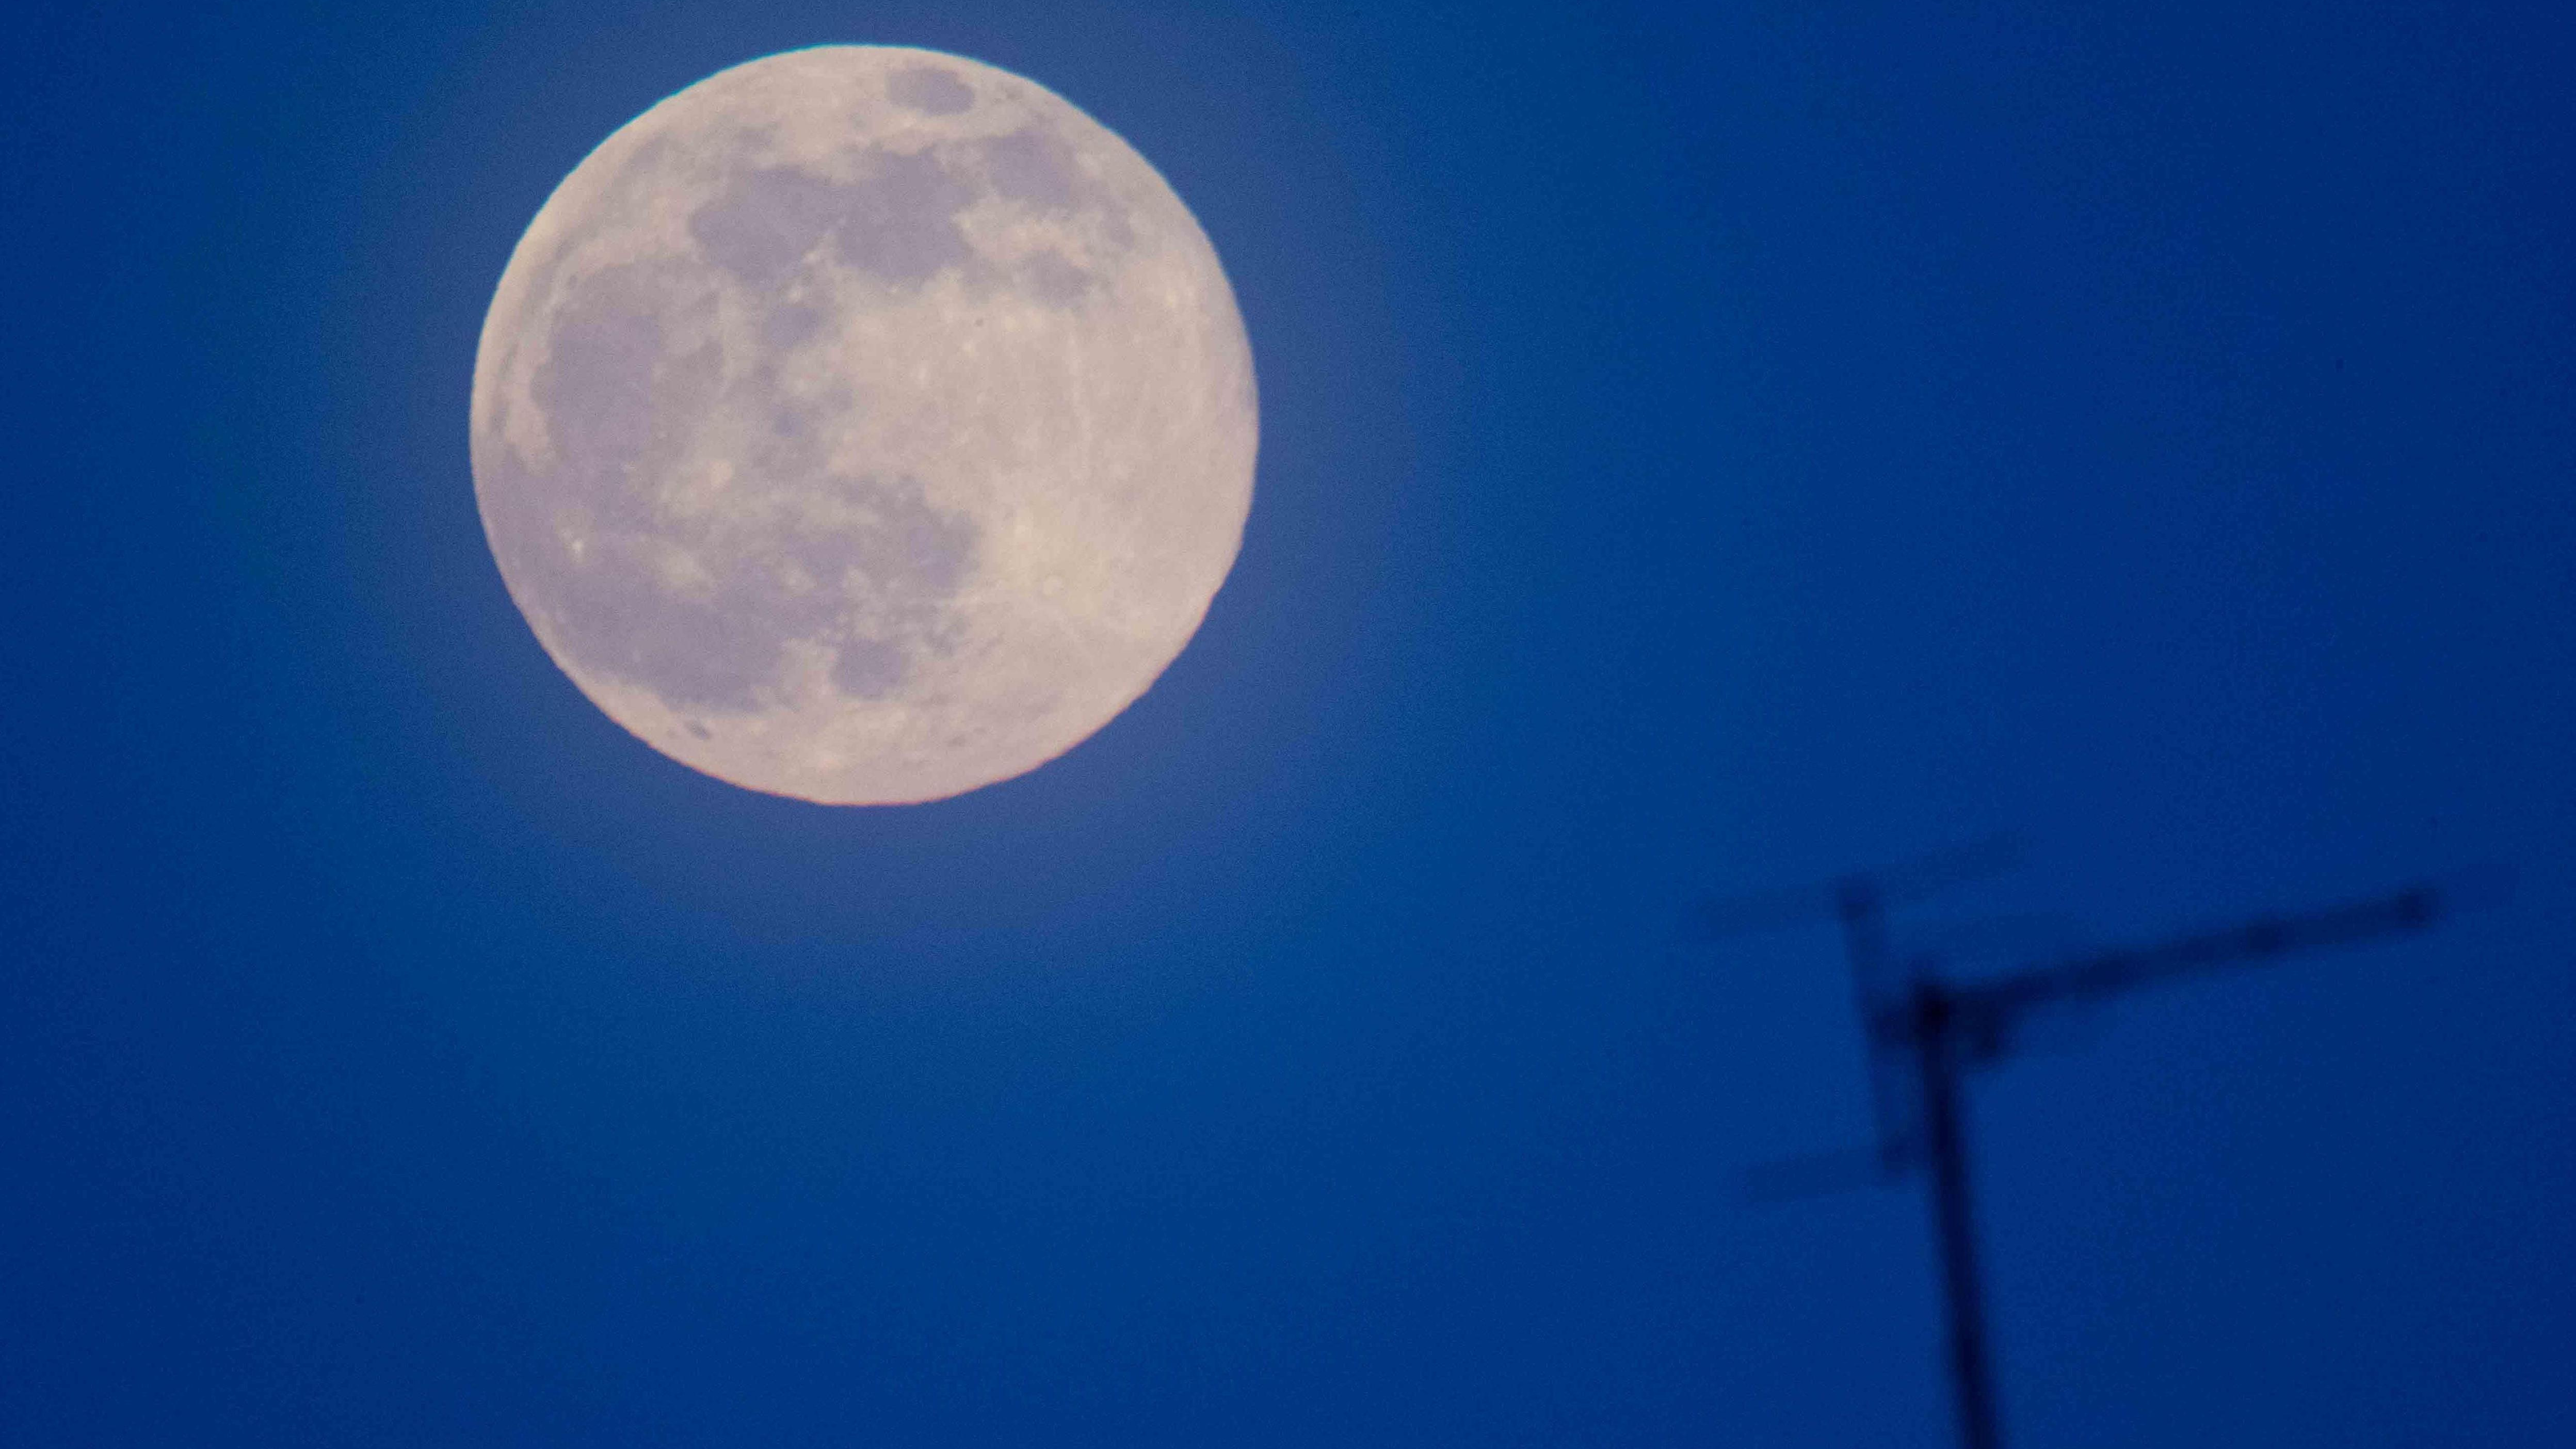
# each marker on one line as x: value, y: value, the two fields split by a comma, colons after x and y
x: 864, y: 425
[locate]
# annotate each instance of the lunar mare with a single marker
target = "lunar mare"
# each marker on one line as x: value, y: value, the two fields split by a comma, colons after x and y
x: 863, y: 424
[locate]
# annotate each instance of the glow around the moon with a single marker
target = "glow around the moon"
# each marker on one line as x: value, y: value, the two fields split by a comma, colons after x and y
x: 863, y: 424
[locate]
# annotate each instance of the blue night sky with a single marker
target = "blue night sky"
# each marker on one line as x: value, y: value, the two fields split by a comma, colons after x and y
x: 1703, y: 450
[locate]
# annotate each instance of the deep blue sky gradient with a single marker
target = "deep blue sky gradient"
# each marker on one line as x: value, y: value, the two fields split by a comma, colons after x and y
x: 1703, y: 449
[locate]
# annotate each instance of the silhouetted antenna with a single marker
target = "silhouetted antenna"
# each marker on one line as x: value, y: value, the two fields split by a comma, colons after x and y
x: 1858, y: 902
x: 1925, y: 1034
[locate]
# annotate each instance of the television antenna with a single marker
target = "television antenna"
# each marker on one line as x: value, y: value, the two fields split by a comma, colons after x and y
x: 1927, y: 1033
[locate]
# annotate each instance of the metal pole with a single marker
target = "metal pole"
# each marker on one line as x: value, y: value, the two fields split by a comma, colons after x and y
x: 1953, y: 1225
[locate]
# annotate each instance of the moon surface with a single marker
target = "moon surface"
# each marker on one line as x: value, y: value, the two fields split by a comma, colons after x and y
x: 863, y: 424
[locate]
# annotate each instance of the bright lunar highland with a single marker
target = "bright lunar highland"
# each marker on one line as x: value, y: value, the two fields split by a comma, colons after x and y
x: 864, y: 425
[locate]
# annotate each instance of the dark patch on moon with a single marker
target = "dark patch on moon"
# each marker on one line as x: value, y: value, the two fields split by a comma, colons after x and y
x: 766, y: 220
x: 610, y: 395
x: 1032, y: 166
x: 1056, y: 281
x: 789, y: 323
x: 868, y: 668
x: 790, y: 445
x: 700, y: 607
x: 616, y: 613
x: 899, y: 221
x: 930, y: 90
x: 1036, y: 168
